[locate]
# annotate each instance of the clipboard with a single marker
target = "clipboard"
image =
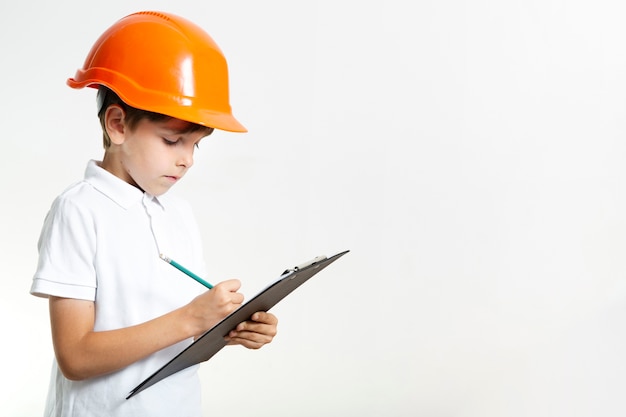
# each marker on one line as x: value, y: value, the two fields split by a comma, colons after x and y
x: 212, y: 341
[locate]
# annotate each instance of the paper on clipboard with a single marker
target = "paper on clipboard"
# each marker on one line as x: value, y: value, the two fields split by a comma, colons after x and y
x: 212, y: 341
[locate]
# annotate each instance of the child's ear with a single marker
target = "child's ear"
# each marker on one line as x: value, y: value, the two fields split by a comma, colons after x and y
x: 114, y: 124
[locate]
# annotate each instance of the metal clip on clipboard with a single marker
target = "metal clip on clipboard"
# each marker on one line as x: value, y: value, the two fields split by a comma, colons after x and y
x: 313, y: 261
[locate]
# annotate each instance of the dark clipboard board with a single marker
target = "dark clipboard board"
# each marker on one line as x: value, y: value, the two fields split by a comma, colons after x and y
x: 212, y: 341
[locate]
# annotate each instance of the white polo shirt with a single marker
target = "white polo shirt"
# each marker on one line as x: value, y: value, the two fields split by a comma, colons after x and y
x: 101, y: 242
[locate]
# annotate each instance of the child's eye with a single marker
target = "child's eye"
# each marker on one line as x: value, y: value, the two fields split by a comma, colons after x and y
x: 197, y: 145
x: 169, y: 142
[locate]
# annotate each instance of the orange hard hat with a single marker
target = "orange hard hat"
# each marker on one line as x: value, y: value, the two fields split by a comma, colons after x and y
x: 165, y: 64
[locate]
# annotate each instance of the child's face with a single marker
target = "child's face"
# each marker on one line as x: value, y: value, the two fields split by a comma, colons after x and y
x: 155, y: 155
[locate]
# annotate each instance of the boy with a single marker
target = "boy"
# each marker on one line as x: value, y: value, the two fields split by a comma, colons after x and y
x: 117, y: 311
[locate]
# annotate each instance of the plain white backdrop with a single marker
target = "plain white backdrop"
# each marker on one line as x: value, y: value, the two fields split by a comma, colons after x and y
x: 470, y: 154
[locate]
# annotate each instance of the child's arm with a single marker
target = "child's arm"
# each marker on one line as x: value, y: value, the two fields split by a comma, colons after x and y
x: 83, y: 353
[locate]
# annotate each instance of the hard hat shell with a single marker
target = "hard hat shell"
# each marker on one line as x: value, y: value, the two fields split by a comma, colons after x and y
x: 165, y: 64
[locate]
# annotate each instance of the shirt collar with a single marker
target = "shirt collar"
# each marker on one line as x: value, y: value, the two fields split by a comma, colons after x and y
x: 118, y: 190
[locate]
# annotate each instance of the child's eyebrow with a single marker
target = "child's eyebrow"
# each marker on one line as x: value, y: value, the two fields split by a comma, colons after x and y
x: 175, y: 131
x: 178, y: 131
x: 184, y: 128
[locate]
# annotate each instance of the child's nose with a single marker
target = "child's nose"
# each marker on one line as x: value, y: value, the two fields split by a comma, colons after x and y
x: 186, y: 158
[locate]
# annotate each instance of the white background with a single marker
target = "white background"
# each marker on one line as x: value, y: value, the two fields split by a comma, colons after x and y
x: 468, y: 153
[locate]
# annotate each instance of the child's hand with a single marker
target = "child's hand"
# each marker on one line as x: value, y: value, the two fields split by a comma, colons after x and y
x: 256, y: 332
x: 211, y: 307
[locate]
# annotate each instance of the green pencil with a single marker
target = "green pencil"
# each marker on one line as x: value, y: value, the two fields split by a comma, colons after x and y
x: 185, y: 271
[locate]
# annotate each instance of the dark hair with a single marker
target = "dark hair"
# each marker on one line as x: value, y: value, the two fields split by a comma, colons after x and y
x: 107, y: 98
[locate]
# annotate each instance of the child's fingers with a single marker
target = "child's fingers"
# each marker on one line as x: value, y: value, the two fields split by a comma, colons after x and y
x: 226, y: 292
x: 264, y: 317
x: 256, y: 332
x: 251, y: 339
x: 256, y: 327
x: 229, y: 285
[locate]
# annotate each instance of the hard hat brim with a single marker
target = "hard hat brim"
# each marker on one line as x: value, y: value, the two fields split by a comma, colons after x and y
x: 184, y: 111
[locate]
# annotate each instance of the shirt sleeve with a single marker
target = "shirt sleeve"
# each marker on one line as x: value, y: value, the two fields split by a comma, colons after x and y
x: 67, y: 246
